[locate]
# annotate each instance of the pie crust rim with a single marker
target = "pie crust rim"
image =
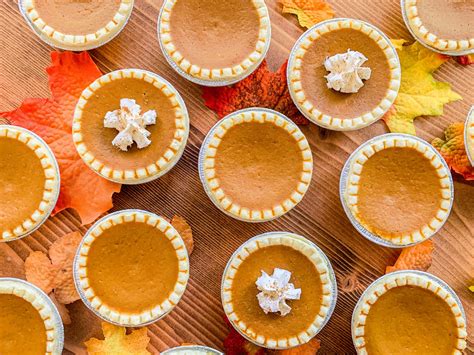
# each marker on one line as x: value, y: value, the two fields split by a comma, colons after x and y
x: 349, y: 185
x: 45, y: 307
x: 165, y: 162
x: 308, y: 249
x: 469, y: 136
x: 308, y: 109
x: 212, y: 186
x: 76, y: 42
x: 52, y: 181
x: 100, y: 308
x: 398, y: 279
x: 213, y: 76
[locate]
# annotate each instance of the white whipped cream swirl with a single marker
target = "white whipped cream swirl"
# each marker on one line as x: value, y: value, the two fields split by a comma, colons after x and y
x: 275, y: 290
x: 346, y: 71
x: 131, y: 124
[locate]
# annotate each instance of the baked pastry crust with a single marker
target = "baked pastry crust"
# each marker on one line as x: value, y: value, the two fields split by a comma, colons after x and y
x: 76, y: 42
x: 397, y: 279
x: 423, y: 34
x: 52, y: 181
x: 164, y: 163
x: 94, y: 303
x: 295, y: 85
x: 214, y: 76
x: 211, y: 181
x: 469, y: 135
x: 385, y: 141
x: 46, y: 309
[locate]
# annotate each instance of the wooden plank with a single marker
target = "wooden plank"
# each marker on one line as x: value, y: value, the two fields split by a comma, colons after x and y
x: 199, y: 317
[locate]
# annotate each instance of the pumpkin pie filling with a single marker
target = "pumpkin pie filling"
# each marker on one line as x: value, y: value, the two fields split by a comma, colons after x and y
x: 215, y: 34
x: 335, y: 103
x: 22, y: 330
x: 420, y: 323
x: 77, y: 17
x: 399, y: 192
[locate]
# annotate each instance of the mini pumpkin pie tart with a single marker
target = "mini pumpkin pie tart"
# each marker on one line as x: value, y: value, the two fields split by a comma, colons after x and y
x: 469, y: 135
x: 214, y: 43
x: 397, y: 190
x: 131, y: 268
x: 29, y: 321
x: 278, y: 290
x: 409, y: 312
x: 191, y: 350
x: 343, y: 74
x: 29, y: 182
x: 255, y: 165
x: 76, y: 24
x: 443, y: 26
x: 130, y: 126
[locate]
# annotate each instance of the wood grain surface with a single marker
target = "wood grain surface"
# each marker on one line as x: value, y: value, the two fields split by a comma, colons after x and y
x: 199, y: 318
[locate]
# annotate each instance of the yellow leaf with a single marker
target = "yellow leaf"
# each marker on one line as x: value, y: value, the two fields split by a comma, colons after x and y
x: 309, y: 12
x: 420, y: 94
x: 471, y: 288
x: 117, y: 342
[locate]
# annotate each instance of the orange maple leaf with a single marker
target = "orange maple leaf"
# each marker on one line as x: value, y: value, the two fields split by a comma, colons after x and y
x: 309, y: 12
x: 54, y: 274
x: 184, y: 230
x: 262, y: 88
x: 81, y: 189
x: 116, y: 341
x: 453, y: 150
x: 418, y: 257
x: 465, y: 59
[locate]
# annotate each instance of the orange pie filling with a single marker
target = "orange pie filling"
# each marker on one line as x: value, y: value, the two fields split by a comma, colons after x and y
x: 134, y: 270
x: 22, y: 330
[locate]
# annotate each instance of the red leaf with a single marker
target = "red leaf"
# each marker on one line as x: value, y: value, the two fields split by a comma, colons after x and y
x: 81, y: 189
x: 262, y: 88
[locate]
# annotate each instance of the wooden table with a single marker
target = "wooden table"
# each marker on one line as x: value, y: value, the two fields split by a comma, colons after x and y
x: 199, y: 317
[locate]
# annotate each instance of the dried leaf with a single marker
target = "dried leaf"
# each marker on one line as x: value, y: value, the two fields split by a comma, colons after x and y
x: 63, y: 312
x: 118, y: 343
x: 453, y: 150
x: 81, y: 188
x: 310, y: 348
x: 184, y: 230
x: 55, y: 273
x: 420, y: 94
x: 262, y: 88
x: 418, y: 257
x: 465, y: 59
x: 309, y: 12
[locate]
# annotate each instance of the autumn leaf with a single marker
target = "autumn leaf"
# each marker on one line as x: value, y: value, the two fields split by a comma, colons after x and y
x: 310, y: 348
x: 184, y: 230
x: 81, y: 188
x: 309, y: 12
x: 418, y: 257
x: 55, y: 274
x: 117, y: 342
x: 420, y: 94
x: 262, y: 88
x: 453, y: 150
x: 471, y: 288
x: 465, y: 59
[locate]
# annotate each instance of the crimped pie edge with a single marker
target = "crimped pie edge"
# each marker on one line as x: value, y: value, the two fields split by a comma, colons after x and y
x: 52, y: 180
x: 313, y: 253
x: 295, y: 86
x: 402, y: 278
x: 469, y: 136
x: 211, y: 183
x: 46, y: 309
x: 77, y: 42
x: 369, y: 148
x: 215, y: 75
x: 416, y: 26
x: 165, y: 162
x: 98, y: 306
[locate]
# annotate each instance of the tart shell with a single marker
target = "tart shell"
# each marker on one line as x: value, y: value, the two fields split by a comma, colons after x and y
x: 308, y: 109
x: 469, y: 136
x: 93, y: 302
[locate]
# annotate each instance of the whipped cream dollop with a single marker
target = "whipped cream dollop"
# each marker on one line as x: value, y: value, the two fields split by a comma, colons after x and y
x: 275, y: 290
x: 346, y: 71
x: 130, y: 123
